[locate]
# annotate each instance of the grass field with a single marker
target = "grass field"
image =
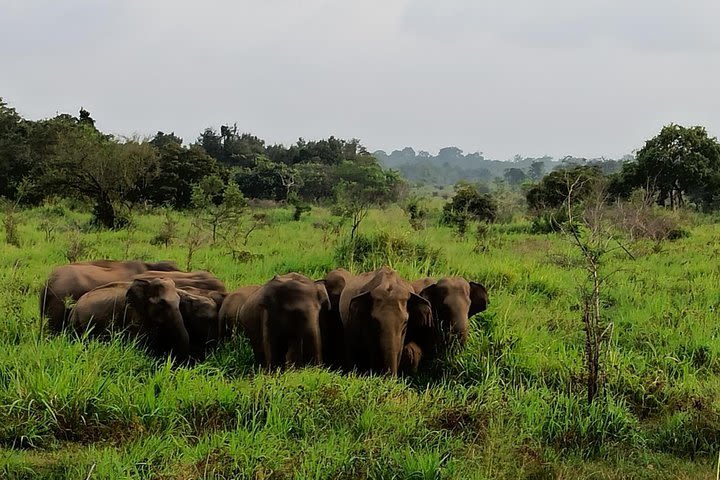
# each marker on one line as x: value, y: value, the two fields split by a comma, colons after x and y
x: 512, y: 405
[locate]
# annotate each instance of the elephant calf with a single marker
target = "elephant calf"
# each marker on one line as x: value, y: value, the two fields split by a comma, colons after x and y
x: 282, y: 320
x: 199, y: 309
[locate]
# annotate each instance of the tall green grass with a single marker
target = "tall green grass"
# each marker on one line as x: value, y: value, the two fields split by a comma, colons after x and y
x: 511, y: 405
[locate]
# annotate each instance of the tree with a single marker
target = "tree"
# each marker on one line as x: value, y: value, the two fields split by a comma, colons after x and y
x: 15, y: 154
x: 469, y: 203
x: 362, y: 186
x: 107, y: 172
x: 218, y: 206
x: 537, y: 170
x: 514, y: 176
x: 179, y: 169
x: 677, y: 163
x: 552, y: 190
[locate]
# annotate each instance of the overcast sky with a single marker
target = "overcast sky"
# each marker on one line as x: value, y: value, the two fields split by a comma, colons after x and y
x: 581, y: 77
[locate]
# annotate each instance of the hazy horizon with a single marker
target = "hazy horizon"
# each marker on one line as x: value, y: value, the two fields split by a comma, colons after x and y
x: 502, y: 78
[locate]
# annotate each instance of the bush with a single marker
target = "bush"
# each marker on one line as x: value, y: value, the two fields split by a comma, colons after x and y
x: 640, y: 218
x: 553, y: 189
x: 372, y: 251
x: 469, y: 203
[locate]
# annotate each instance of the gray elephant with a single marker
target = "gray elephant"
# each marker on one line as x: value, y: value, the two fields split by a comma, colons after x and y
x: 331, y: 327
x: 377, y: 308
x: 282, y: 320
x: 199, y: 309
x: 229, y: 315
x: 454, y: 300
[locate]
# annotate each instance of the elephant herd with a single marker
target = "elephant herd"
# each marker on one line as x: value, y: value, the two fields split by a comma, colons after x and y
x: 370, y: 322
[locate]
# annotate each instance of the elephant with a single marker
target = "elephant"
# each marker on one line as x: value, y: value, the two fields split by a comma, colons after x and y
x: 376, y: 309
x: 198, y: 279
x: 282, y: 320
x: 146, y: 309
x: 228, y: 317
x: 454, y: 300
x: 199, y: 309
x: 331, y: 327
x: 70, y: 282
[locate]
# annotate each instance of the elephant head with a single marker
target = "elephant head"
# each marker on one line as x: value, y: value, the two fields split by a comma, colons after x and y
x: 388, y: 310
x: 157, y: 303
x: 454, y: 300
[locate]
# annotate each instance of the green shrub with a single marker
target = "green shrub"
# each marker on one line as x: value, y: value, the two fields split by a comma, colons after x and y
x: 368, y: 252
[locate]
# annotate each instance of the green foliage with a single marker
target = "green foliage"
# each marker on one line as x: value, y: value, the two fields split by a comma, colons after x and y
x: 368, y: 252
x: 510, y: 405
x: 217, y: 205
x: 677, y: 163
x: 179, y: 168
x: 168, y: 230
x: 15, y: 153
x: 417, y: 213
x: 466, y: 205
x: 552, y: 191
x: 10, y: 224
x: 514, y: 176
x: 361, y: 187
x: 299, y: 206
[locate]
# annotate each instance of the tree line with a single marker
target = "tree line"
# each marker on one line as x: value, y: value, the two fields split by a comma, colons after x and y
x: 68, y: 156
x: 452, y: 165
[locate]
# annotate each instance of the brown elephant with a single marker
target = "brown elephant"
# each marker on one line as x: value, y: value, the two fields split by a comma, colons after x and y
x: 376, y: 309
x: 145, y: 309
x: 199, y: 309
x: 282, y: 320
x: 331, y: 327
x: 454, y: 300
x: 67, y: 283
x: 228, y: 317
x: 198, y: 279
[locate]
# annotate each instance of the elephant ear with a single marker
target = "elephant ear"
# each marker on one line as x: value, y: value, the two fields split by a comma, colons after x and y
x: 218, y: 298
x: 322, y: 294
x: 420, y: 311
x: 137, y: 294
x: 431, y: 293
x: 361, y: 305
x: 478, y: 298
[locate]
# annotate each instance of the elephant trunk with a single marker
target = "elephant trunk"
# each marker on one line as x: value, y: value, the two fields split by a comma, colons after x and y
x: 391, y: 345
x: 312, y: 344
x: 459, y: 329
x: 180, y: 338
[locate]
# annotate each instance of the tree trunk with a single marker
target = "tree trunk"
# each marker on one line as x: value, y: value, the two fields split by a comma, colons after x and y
x: 104, y: 212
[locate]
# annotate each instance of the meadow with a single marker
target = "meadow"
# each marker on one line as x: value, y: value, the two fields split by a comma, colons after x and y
x: 511, y: 405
